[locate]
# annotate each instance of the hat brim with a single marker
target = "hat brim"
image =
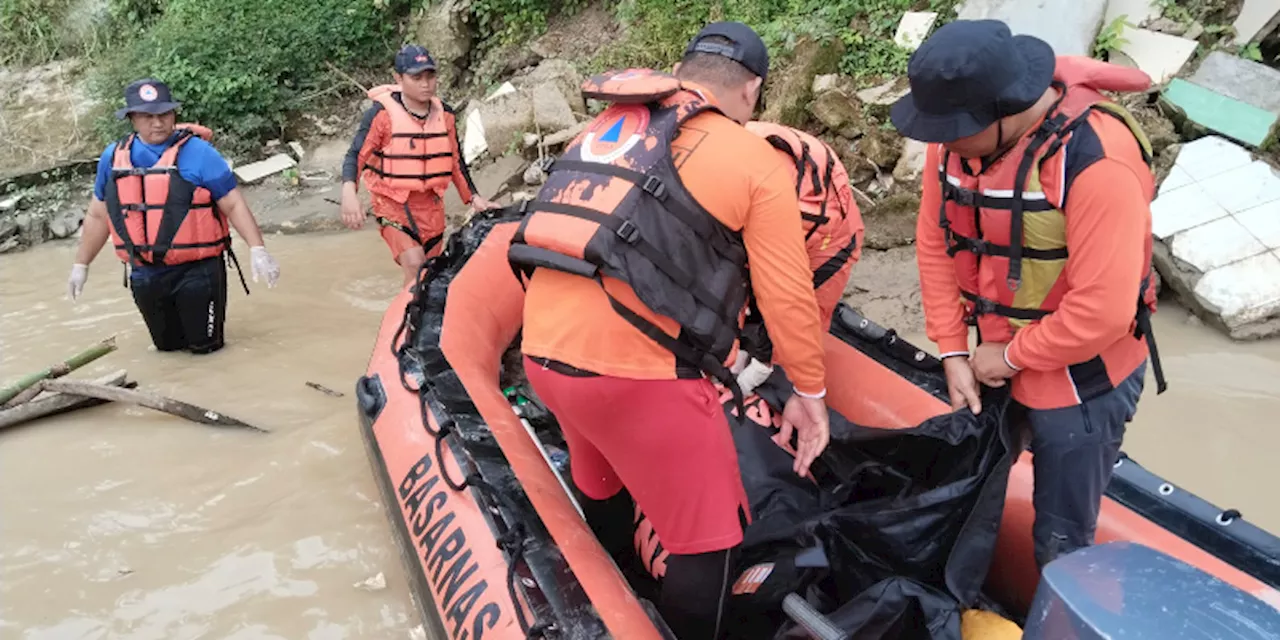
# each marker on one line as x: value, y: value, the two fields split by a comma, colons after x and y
x: 153, y: 108
x: 418, y: 69
x: 1019, y: 96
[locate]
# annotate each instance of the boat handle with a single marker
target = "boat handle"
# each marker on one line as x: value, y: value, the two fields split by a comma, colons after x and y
x: 816, y: 624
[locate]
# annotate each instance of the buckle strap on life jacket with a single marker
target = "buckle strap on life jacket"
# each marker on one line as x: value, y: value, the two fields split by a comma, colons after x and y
x: 833, y: 265
x: 695, y: 356
x: 957, y: 243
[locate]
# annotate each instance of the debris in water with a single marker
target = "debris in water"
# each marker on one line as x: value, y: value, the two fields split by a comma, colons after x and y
x: 418, y: 633
x: 325, y: 390
x: 376, y: 583
x: 123, y: 571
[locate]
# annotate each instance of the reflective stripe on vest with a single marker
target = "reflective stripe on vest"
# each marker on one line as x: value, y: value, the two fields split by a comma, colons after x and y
x: 158, y: 217
x: 614, y: 205
x: 418, y: 155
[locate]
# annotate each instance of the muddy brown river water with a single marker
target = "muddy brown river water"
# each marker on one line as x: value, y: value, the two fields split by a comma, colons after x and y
x: 119, y: 522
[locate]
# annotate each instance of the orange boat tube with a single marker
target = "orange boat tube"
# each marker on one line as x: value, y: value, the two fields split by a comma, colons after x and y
x: 483, y: 512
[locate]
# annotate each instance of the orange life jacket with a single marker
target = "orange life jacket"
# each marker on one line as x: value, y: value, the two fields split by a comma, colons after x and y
x: 417, y: 157
x: 614, y: 205
x: 832, y: 222
x: 1006, y: 228
x: 158, y: 217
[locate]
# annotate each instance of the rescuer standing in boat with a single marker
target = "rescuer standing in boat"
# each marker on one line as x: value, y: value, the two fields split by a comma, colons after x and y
x: 407, y: 150
x: 660, y: 203
x: 165, y: 197
x: 1059, y: 288
x: 832, y: 231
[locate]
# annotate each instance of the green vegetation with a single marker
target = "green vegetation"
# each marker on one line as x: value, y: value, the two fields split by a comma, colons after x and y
x: 242, y: 66
x: 1110, y: 38
x: 507, y: 21
x: 246, y: 67
x: 657, y: 30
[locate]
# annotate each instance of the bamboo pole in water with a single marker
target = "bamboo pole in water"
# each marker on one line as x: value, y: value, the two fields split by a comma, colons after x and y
x: 59, y: 402
x: 148, y: 400
x: 10, y: 391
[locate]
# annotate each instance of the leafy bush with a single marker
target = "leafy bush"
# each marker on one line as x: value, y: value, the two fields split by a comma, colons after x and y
x: 509, y: 20
x: 657, y: 30
x: 240, y: 66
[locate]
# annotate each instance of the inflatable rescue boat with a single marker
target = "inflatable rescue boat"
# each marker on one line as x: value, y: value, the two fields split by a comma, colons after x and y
x: 916, y: 514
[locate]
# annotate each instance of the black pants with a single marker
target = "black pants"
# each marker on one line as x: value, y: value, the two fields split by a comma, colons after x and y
x: 693, y: 596
x: 1075, y: 450
x: 184, y: 306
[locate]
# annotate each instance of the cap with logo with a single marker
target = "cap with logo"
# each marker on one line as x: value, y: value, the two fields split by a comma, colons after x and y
x: 413, y: 59
x: 746, y: 49
x: 147, y: 96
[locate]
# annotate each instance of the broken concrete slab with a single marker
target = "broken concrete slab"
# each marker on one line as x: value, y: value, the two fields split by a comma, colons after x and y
x: 257, y: 171
x: 1263, y: 221
x: 1244, y: 80
x: 825, y: 82
x: 1160, y: 55
x: 298, y: 152
x: 1218, y: 233
x: 1216, y: 244
x: 1257, y: 18
x: 914, y: 28
x: 1244, y: 295
x: 473, y: 142
x: 1136, y: 12
x: 1069, y: 26
x: 1216, y: 112
x: 838, y: 112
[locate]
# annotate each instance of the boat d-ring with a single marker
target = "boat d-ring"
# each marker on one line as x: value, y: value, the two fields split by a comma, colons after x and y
x: 1227, y: 517
x: 1166, y: 489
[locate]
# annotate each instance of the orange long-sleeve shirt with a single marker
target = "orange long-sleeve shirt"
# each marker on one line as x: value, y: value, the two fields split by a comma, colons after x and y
x: 1108, y: 220
x: 742, y: 182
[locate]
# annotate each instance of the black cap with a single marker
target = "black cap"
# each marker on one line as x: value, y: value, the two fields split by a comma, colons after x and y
x: 747, y: 48
x: 968, y: 75
x: 413, y: 59
x: 147, y: 96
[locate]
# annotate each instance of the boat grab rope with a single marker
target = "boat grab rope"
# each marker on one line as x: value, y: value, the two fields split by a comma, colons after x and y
x: 512, y: 540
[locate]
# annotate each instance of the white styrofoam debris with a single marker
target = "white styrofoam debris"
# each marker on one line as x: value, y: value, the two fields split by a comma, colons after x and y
x: 473, y: 142
x: 914, y: 28
x: 255, y: 171
x: 1255, y: 16
x: 1160, y: 55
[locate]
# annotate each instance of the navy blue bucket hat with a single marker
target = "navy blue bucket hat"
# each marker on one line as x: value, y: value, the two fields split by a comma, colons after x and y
x: 147, y: 96
x: 968, y: 75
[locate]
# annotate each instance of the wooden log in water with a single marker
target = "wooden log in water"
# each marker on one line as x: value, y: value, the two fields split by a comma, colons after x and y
x: 148, y: 400
x: 59, y: 403
x: 61, y: 369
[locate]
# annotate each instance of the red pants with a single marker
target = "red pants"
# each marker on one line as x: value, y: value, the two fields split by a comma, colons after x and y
x: 667, y: 441
x: 427, y: 210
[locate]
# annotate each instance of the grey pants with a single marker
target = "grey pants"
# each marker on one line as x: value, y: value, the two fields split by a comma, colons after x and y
x: 1075, y: 449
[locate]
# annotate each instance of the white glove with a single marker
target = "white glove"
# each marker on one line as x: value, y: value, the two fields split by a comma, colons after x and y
x: 264, y: 265
x: 753, y: 375
x: 740, y: 363
x: 75, y: 284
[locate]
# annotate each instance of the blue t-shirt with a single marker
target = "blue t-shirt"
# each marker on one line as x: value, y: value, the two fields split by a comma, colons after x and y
x: 198, y: 163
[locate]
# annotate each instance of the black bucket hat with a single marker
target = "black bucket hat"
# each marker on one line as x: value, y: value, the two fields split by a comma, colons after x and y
x: 147, y: 95
x: 968, y: 75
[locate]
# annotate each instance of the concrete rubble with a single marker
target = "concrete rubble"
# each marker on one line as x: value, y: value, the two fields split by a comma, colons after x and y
x: 1069, y: 26
x: 1229, y: 95
x: 546, y: 101
x: 1216, y: 224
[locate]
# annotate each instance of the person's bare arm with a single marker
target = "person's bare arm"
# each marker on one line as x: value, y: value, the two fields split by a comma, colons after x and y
x: 237, y: 211
x: 95, y: 233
